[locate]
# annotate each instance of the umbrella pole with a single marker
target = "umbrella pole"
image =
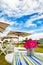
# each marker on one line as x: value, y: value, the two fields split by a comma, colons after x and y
x: 18, y: 39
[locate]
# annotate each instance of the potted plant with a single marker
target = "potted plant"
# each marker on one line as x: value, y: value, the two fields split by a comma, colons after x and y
x: 30, y: 45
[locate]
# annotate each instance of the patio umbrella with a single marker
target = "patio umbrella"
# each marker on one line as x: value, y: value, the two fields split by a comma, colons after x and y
x: 19, y: 33
x: 1, y: 29
x: 9, y: 36
x: 23, y: 34
x: 3, y: 26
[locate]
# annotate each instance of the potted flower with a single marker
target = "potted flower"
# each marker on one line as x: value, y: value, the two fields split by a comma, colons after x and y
x: 30, y: 45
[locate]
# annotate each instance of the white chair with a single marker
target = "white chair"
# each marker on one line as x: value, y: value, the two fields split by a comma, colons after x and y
x: 2, y: 50
x: 9, y: 48
x: 20, y: 49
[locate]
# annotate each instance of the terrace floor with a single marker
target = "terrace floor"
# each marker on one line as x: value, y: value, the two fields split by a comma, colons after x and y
x: 3, y: 61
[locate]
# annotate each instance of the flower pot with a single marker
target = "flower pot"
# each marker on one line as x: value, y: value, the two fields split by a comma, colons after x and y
x: 30, y: 52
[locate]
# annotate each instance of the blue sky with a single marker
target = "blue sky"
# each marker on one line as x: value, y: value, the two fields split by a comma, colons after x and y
x: 22, y: 15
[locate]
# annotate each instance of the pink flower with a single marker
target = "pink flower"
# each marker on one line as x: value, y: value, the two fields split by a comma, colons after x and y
x: 30, y: 44
x: 26, y: 45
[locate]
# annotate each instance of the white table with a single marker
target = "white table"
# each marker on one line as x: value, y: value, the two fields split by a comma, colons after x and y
x: 9, y: 57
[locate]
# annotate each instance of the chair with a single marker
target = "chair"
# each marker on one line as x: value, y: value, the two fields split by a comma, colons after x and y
x: 2, y: 49
x: 9, y: 48
x: 20, y: 49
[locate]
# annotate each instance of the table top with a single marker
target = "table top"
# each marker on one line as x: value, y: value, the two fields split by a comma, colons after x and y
x: 9, y: 57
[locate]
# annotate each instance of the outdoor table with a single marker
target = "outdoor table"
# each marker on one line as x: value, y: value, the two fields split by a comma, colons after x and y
x: 9, y: 57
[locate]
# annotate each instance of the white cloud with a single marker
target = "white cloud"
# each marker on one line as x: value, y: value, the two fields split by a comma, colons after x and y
x: 36, y: 30
x: 38, y: 17
x: 11, y: 23
x: 17, y: 8
x: 11, y: 4
x: 36, y: 36
x: 29, y: 23
x: 31, y: 31
x: 32, y: 3
x: 6, y: 21
x: 21, y: 8
x: 8, y: 28
x: 41, y: 27
x: 39, y: 22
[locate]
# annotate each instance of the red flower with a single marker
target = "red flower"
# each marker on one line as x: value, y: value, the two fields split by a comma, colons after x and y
x: 26, y: 45
x: 30, y: 44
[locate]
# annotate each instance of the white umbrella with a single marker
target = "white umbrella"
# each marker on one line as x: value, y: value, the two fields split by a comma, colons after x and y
x: 22, y: 34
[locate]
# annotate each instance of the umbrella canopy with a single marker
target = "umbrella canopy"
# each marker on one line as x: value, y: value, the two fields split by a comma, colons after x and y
x: 9, y: 36
x: 1, y: 30
x: 3, y: 26
x: 18, y: 33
